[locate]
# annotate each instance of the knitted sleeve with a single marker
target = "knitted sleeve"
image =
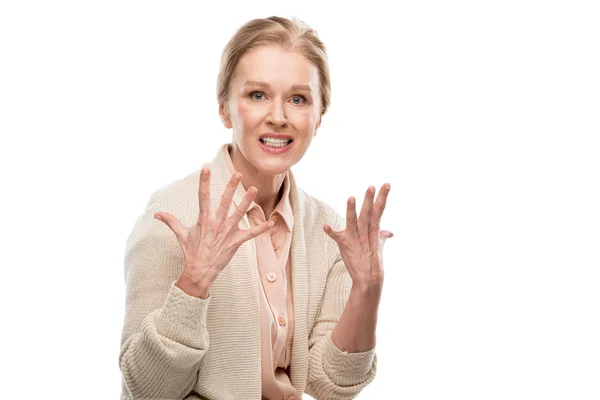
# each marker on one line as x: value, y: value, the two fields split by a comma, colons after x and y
x: 332, y: 373
x: 164, y: 334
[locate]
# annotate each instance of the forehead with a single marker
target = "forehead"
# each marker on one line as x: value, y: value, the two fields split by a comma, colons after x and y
x: 273, y: 65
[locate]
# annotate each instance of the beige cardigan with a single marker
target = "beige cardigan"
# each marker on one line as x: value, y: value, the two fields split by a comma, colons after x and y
x: 175, y: 346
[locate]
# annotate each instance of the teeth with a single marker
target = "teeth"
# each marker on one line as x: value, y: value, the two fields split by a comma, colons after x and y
x: 275, y: 142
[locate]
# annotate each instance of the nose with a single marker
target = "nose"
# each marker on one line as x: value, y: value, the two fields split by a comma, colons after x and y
x: 277, y: 114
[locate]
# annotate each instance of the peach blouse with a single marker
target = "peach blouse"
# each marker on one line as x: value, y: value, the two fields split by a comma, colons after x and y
x: 276, y: 308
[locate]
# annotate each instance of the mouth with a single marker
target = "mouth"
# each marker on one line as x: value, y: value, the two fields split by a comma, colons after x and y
x: 275, y: 146
x: 275, y: 143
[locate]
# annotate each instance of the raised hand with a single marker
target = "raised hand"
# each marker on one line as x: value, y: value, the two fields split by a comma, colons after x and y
x: 361, y: 242
x: 211, y: 242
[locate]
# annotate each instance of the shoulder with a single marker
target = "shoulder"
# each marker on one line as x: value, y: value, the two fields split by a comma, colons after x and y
x: 316, y: 212
x: 179, y: 197
x: 326, y: 213
x: 176, y: 189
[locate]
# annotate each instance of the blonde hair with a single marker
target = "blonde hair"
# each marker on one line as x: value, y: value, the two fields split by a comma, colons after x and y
x: 290, y: 35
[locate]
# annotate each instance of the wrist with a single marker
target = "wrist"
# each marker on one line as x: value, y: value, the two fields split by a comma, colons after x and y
x: 199, y: 289
x: 367, y: 290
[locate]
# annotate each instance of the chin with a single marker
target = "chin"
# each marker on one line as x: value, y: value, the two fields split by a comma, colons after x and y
x: 275, y: 168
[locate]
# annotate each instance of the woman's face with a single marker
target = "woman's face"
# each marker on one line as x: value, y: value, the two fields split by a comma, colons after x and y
x: 273, y: 94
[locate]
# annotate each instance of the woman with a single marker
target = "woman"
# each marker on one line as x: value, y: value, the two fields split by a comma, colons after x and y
x: 250, y: 288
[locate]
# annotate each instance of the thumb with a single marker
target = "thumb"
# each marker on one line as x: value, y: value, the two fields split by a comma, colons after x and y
x: 332, y: 233
x: 384, y: 235
x: 172, y: 222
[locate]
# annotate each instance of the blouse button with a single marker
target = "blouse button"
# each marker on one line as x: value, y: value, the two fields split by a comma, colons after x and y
x: 274, y: 364
x: 275, y: 245
x: 281, y: 320
x: 272, y: 277
x: 292, y: 397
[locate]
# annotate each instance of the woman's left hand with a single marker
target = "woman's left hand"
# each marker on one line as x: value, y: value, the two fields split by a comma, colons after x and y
x: 361, y: 242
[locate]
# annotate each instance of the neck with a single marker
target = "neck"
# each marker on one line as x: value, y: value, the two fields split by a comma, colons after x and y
x: 270, y: 187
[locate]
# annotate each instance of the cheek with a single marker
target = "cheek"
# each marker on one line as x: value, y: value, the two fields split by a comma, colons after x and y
x: 249, y: 115
x: 304, y: 121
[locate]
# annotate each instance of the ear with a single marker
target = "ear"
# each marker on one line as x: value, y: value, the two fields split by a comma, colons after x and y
x: 317, y: 126
x: 225, y: 116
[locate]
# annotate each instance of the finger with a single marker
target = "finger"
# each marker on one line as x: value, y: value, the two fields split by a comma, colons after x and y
x: 227, y: 196
x: 379, y: 205
x: 351, y: 215
x: 378, y: 208
x: 242, y: 208
x: 173, y: 223
x: 204, y: 194
x: 365, y: 215
x: 256, y: 231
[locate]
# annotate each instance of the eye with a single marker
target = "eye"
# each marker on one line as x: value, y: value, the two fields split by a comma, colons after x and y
x: 299, y: 97
x: 251, y: 94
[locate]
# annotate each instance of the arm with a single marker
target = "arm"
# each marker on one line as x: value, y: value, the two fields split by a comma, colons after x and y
x: 355, y: 331
x: 343, y: 362
x: 332, y: 372
x: 341, y: 372
x: 164, y: 334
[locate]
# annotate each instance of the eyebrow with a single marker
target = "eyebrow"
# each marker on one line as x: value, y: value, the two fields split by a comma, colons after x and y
x: 266, y: 85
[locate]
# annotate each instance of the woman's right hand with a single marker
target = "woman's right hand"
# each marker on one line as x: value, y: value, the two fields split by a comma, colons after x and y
x: 211, y: 242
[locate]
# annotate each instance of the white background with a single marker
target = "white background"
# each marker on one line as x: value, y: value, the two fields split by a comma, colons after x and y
x: 483, y: 116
